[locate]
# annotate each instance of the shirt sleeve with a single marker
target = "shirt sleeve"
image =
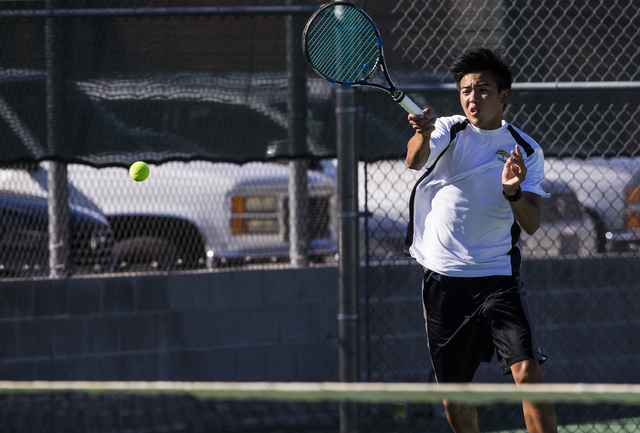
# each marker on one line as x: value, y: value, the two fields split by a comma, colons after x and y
x: 535, y: 173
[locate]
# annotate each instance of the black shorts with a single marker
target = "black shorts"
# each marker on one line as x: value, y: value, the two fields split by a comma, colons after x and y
x: 467, y: 319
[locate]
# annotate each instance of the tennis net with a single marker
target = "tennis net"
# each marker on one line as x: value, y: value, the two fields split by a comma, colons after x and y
x: 302, y: 407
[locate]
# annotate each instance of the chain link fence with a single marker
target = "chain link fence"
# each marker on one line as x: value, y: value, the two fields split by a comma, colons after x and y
x: 170, y: 88
x: 576, y: 93
x: 207, y: 90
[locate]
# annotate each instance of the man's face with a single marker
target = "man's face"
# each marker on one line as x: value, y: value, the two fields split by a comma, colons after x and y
x: 481, y: 101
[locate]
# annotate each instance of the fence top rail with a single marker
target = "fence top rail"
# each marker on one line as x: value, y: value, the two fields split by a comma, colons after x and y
x: 158, y: 11
x: 535, y: 87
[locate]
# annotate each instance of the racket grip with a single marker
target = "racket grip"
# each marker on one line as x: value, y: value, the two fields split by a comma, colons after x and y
x: 411, y: 107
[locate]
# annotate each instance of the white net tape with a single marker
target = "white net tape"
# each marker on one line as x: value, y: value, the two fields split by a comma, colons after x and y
x: 355, y: 392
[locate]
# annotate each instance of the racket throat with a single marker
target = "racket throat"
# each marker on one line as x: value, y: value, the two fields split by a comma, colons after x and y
x: 397, y: 95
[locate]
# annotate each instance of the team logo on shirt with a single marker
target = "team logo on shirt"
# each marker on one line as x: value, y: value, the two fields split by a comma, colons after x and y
x: 502, y: 155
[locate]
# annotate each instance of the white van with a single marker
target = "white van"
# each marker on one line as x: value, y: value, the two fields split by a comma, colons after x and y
x: 194, y: 215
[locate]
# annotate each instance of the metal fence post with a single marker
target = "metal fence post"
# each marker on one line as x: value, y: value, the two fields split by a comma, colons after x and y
x: 349, y: 266
x: 57, y: 175
x: 297, y: 110
x: 348, y: 246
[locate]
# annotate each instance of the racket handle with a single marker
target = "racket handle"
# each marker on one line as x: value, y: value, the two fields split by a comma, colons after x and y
x: 406, y: 103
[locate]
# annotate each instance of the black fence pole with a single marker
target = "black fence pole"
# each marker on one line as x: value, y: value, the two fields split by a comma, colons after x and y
x: 297, y: 110
x: 57, y: 175
x: 348, y: 243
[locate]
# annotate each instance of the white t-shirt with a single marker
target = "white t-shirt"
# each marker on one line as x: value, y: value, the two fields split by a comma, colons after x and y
x: 462, y: 224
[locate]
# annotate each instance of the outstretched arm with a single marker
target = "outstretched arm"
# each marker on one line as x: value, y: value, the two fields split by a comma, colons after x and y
x: 418, y: 149
x: 527, y: 209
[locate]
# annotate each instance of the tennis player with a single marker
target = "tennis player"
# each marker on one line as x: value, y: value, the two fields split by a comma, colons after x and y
x: 481, y: 187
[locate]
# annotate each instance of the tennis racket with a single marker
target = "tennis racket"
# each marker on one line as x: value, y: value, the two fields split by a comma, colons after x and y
x: 343, y: 45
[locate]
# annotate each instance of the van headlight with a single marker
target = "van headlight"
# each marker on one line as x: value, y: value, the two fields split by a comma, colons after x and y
x: 632, y: 213
x: 254, y: 215
x: 254, y: 226
x: 254, y: 204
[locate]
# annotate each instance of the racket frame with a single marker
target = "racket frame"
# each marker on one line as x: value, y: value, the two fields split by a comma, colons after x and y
x: 396, y: 94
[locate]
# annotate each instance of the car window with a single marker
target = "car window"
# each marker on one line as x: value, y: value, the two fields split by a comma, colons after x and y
x: 561, y: 206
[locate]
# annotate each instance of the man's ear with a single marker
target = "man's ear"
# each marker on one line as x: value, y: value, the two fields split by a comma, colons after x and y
x: 504, y: 95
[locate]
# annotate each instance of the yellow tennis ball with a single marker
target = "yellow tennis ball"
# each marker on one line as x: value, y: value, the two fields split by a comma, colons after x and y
x: 139, y: 171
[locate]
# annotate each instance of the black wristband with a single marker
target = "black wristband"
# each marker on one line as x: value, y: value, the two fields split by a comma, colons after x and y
x: 517, y: 196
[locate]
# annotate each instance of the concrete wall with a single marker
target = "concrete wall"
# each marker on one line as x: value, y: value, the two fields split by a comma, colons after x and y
x: 250, y: 325
x: 281, y: 325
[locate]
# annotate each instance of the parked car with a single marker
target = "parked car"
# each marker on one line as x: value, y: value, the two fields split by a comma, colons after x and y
x: 384, y: 229
x: 24, y: 238
x: 182, y: 218
x: 385, y: 238
x: 195, y: 215
x: 609, y: 190
x: 186, y: 215
x: 566, y: 229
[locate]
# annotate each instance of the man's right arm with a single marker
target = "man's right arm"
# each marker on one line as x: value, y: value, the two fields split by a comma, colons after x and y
x: 418, y: 147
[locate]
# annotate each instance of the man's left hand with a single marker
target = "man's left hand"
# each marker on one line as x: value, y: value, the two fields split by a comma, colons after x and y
x: 514, y: 172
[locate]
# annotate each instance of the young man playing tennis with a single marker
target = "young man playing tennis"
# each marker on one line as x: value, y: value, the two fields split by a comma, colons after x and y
x: 466, y: 217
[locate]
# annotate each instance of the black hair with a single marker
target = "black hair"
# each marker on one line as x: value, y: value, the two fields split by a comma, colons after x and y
x: 482, y: 59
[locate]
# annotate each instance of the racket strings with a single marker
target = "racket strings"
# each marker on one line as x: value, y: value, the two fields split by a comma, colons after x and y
x: 349, y: 66
x: 355, y: 53
x: 343, y: 46
x: 325, y: 33
x: 335, y: 25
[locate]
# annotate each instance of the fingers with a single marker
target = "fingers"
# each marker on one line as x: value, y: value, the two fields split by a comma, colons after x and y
x: 423, y: 124
x: 517, y: 157
x: 516, y: 163
x: 518, y: 153
x: 426, y: 114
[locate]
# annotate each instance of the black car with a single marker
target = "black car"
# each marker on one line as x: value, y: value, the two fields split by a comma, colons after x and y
x: 24, y: 238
